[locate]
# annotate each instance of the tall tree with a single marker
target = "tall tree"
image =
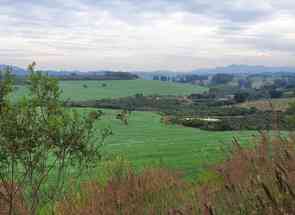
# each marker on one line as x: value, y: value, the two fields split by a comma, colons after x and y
x: 41, y: 143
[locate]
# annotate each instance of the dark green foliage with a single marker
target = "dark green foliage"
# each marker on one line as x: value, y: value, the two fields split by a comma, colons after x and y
x: 156, y: 78
x: 207, y: 125
x: 193, y: 78
x: 222, y: 79
x: 5, y: 87
x: 275, y: 94
x: 222, y: 91
x: 93, y: 76
x: 241, y: 97
x: 164, y: 78
x: 260, y: 121
x: 231, y: 117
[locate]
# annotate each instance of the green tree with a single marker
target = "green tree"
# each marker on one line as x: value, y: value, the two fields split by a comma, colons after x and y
x: 241, y: 96
x: 222, y: 78
x: 42, y: 143
x: 123, y: 116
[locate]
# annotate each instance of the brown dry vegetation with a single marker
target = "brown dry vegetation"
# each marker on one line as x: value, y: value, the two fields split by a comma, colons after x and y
x: 269, y: 105
x: 259, y: 181
x: 155, y: 191
x: 8, y: 191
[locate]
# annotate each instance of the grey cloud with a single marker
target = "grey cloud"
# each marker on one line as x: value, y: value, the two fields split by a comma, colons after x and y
x: 126, y: 8
x: 61, y: 12
x: 74, y: 26
x: 266, y: 42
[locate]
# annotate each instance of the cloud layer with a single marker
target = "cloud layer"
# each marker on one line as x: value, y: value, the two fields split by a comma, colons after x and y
x: 146, y: 35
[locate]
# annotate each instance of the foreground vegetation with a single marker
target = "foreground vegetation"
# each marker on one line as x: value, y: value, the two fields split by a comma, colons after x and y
x: 40, y: 141
x: 254, y: 181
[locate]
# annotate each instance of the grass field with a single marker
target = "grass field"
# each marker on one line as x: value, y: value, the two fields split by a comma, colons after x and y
x: 146, y: 141
x: 87, y: 90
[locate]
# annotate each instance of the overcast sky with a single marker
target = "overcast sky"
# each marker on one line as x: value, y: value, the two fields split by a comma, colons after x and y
x: 147, y: 34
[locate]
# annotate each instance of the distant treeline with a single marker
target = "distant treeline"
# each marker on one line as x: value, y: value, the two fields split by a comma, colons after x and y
x: 99, y: 76
x: 106, y: 75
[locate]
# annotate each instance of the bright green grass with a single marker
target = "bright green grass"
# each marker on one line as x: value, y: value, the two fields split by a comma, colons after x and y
x: 147, y: 142
x: 74, y: 90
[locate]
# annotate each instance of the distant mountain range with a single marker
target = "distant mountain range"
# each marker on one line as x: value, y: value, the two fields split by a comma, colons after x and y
x: 232, y: 69
x: 245, y: 69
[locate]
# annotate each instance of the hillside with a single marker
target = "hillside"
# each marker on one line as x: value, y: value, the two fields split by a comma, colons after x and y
x: 245, y: 69
x: 145, y: 141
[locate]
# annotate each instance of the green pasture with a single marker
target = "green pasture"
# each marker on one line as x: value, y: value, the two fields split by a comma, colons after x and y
x: 145, y: 141
x: 89, y: 90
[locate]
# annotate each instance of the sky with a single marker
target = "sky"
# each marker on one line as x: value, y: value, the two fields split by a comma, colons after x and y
x: 177, y: 35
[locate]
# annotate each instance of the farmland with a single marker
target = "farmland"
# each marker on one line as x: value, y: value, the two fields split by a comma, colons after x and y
x: 86, y: 90
x: 147, y: 142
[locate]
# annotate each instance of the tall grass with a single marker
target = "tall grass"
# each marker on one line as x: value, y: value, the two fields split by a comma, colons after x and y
x: 258, y: 181
x: 154, y: 191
